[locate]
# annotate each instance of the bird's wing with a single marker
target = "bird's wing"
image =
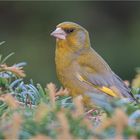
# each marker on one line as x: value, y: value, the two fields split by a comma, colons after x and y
x: 97, y: 73
x: 97, y: 80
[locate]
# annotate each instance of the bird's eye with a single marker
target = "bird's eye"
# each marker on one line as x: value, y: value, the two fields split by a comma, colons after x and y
x: 68, y: 30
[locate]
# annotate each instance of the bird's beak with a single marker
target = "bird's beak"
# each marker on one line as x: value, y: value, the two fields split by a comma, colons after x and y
x: 59, y: 34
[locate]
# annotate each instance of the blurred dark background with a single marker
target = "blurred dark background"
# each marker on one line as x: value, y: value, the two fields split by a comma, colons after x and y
x: 114, y: 30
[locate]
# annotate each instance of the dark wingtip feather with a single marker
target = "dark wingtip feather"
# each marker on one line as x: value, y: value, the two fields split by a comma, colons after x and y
x: 125, y: 90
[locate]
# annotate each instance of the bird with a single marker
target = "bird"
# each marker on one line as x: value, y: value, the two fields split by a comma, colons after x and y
x: 81, y: 69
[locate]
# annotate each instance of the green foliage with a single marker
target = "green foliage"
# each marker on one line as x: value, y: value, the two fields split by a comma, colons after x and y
x: 28, y: 110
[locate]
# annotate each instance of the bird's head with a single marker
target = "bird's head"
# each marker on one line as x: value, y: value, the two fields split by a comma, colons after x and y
x: 71, y: 34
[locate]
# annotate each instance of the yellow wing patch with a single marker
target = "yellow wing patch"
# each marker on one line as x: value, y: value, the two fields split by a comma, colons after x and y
x: 108, y: 91
x: 103, y: 88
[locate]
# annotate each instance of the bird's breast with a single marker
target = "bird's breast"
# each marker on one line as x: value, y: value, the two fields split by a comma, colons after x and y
x: 64, y: 66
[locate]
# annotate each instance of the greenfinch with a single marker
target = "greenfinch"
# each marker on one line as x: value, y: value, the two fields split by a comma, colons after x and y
x: 80, y: 68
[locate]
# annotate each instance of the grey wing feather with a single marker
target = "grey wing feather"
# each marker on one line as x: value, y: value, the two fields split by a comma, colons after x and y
x: 100, y: 80
x: 125, y: 90
x: 110, y: 80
